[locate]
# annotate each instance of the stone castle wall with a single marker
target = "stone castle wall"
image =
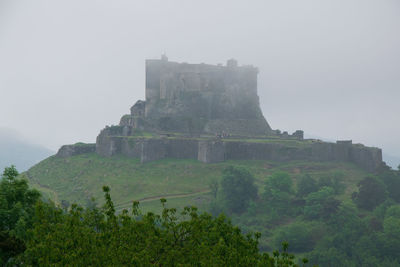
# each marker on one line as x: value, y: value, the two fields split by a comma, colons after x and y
x: 218, y: 150
x: 201, y: 98
x: 77, y: 149
x: 197, y: 100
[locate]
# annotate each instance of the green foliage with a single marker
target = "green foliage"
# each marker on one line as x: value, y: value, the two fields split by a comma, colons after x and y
x: 280, y: 181
x: 99, y: 237
x: 306, y: 185
x: 79, y: 178
x: 10, y: 173
x: 329, y: 257
x: 300, y: 235
x: 392, y: 181
x: 352, y: 237
x: 393, y: 211
x: 321, y: 204
x: 278, y: 193
x: 335, y: 181
x: 16, y: 211
x: 237, y: 187
x: 391, y: 231
x: 371, y: 193
x: 214, y: 185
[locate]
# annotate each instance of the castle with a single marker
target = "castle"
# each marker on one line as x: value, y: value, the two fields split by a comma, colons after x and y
x: 212, y: 114
x: 198, y: 99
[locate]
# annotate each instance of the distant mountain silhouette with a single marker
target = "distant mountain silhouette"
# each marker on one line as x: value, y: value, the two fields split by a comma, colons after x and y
x: 16, y: 151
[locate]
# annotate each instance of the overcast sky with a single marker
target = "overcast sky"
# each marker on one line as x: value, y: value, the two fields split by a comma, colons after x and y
x: 329, y: 67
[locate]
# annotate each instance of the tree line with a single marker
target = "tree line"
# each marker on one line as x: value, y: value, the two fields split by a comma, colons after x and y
x: 314, y: 216
x: 35, y: 232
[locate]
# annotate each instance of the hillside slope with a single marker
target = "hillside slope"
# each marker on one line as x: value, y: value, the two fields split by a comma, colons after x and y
x: 183, y: 182
x: 334, y: 223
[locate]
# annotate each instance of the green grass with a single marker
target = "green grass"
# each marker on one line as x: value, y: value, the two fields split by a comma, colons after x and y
x: 182, y: 182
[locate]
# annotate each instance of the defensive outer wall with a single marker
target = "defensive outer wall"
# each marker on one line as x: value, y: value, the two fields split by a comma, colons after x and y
x: 214, y: 150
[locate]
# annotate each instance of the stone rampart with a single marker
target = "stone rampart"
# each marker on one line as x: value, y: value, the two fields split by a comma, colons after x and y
x: 211, y: 151
x: 76, y: 149
x: 217, y: 150
x: 153, y: 149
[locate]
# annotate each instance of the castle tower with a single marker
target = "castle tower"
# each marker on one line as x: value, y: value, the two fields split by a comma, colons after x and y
x: 203, y: 98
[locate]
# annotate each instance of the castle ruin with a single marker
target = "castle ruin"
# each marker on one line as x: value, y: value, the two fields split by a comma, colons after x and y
x: 211, y: 114
x: 199, y: 99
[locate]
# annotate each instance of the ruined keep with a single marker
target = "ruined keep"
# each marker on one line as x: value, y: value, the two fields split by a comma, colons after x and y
x: 199, y: 98
x: 211, y: 114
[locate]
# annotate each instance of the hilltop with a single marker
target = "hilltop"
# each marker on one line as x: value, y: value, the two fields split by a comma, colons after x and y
x: 199, y: 120
x: 187, y: 182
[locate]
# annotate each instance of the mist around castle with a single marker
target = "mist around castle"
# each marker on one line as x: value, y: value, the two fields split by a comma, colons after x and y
x: 199, y: 134
x: 197, y: 175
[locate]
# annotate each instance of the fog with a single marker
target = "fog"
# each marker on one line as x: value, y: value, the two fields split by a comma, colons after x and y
x: 331, y: 68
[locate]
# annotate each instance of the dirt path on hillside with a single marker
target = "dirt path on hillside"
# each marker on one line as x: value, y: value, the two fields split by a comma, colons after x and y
x: 169, y: 196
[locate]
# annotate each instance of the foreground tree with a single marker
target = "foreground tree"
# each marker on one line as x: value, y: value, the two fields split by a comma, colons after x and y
x: 98, y: 237
x: 17, y: 203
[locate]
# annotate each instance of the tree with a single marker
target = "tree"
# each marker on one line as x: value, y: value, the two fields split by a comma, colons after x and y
x: 17, y: 203
x: 391, y: 236
x: 214, y: 185
x: 306, y: 186
x: 278, y: 193
x: 280, y: 181
x: 99, y: 237
x: 334, y: 181
x: 238, y: 189
x: 392, y: 181
x: 300, y: 235
x: 371, y: 193
x: 321, y: 204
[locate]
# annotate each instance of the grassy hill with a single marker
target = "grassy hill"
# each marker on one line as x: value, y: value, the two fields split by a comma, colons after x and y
x: 182, y: 182
x: 325, y: 225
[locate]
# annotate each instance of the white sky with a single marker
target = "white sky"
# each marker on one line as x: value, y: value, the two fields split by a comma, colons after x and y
x: 331, y: 68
